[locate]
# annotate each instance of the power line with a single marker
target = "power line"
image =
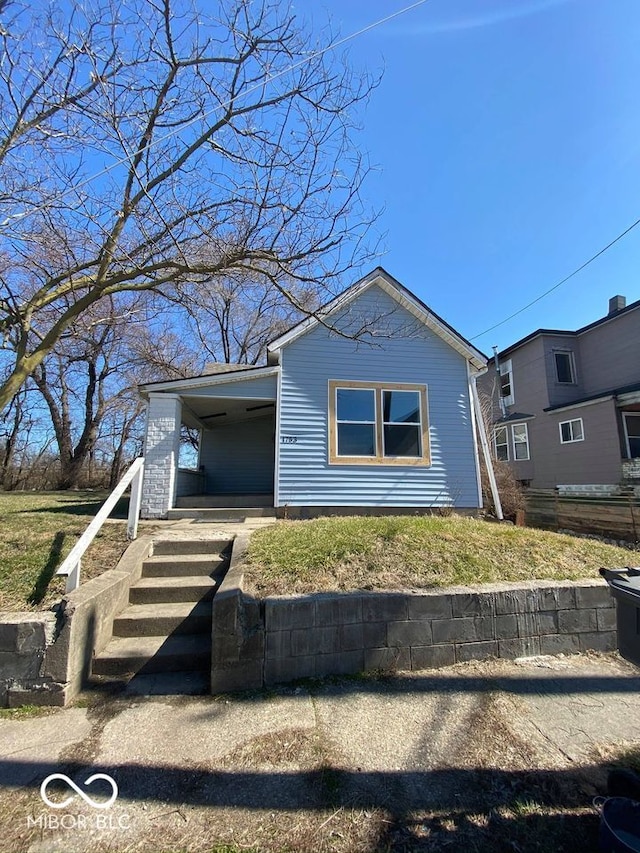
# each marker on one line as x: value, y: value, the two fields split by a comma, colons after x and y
x: 293, y: 67
x: 559, y: 284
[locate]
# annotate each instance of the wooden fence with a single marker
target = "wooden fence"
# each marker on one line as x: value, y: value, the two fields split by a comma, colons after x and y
x: 617, y: 517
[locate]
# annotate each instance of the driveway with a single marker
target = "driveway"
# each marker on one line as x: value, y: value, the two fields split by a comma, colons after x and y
x: 478, y: 757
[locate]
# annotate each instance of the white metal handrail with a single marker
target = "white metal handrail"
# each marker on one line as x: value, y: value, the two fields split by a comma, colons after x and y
x: 71, y: 565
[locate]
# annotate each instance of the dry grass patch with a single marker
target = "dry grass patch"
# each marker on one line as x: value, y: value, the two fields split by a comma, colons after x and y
x: 37, y: 531
x: 409, y: 552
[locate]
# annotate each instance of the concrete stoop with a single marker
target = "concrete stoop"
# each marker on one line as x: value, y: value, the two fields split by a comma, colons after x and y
x: 166, y: 629
x: 221, y: 514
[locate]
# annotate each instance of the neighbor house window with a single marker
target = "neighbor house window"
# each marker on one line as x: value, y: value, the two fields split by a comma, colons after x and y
x: 571, y: 431
x: 520, y: 442
x: 378, y: 423
x: 506, y: 383
x: 501, y: 440
x: 565, y: 370
x: 632, y: 434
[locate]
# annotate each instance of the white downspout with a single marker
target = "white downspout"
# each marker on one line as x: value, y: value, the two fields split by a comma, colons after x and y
x: 485, y: 444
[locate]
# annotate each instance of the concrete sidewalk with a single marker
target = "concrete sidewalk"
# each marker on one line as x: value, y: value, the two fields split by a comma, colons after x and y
x: 479, y: 756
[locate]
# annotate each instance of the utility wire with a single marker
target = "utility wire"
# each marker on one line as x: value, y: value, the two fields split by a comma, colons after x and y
x: 559, y: 284
x: 293, y: 67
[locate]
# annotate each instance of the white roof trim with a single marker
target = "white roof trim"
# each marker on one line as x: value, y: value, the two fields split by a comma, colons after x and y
x: 404, y: 298
x: 177, y: 385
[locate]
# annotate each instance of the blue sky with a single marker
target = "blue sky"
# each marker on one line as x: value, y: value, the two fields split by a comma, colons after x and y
x: 506, y: 140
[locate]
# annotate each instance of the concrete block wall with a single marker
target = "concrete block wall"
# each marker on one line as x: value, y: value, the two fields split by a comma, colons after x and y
x: 358, y: 632
x: 45, y: 657
x: 162, y: 446
x: 24, y: 638
x: 284, y: 638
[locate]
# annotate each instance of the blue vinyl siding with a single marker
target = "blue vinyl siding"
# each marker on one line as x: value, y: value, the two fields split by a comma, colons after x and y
x: 238, y: 458
x: 406, y: 352
x: 261, y: 388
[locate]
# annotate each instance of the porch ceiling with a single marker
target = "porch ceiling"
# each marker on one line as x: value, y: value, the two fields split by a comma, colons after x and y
x: 198, y: 411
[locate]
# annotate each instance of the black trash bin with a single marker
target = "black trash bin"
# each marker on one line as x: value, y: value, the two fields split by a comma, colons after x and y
x: 625, y: 588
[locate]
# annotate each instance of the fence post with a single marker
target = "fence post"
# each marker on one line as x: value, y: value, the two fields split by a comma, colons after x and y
x: 134, y: 504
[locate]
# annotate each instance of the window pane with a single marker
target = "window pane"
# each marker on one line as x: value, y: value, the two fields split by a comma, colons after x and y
x: 505, y: 385
x: 401, y: 407
x: 634, y: 446
x: 564, y: 367
x: 520, y: 433
x: 502, y: 452
x: 577, y: 430
x: 566, y: 431
x: 633, y: 425
x: 521, y: 450
x: 402, y: 440
x: 356, y: 405
x: 356, y: 440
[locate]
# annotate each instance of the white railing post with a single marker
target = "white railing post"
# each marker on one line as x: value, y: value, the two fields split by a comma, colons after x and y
x: 73, y: 578
x: 134, y: 504
x: 71, y: 565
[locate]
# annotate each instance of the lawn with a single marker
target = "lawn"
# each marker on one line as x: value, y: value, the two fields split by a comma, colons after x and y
x: 37, y: 531
x: 416, y: 552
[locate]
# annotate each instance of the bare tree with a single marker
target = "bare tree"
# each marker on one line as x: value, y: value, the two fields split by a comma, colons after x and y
x: 134, y: 134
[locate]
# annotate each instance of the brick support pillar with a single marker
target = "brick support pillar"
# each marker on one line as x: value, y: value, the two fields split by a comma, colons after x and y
x: 162, y: 446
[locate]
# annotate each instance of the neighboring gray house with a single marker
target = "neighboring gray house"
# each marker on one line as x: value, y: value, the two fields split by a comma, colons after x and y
x: 381, y: 419
x: 566, y: 404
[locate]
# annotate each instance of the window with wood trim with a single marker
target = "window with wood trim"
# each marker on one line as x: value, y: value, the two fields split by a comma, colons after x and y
x: 378, y: 423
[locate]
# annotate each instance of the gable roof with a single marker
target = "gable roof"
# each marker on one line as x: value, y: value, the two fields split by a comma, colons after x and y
x: 381, y: 278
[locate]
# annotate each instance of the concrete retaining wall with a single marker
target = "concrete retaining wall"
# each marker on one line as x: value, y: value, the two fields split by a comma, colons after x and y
x: 45, y: 657
x: 282, y: 638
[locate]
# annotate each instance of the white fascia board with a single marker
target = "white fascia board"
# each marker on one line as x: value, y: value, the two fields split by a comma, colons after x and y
x: 405, y: 299
x: 178, y: 386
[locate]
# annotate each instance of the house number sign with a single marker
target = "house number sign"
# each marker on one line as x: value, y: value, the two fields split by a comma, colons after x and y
x: 289, y: 439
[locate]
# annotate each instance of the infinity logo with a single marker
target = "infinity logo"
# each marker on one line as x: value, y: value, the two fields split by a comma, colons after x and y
x: 72, y: 784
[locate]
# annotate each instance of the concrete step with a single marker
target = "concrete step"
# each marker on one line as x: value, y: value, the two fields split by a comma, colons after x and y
x: 143, y: 655
x: 154, y: 620
x: 185, y: 547
x: 212, y: 501
x: 172, y: 590
x: 182, y: 683
x: 222, y: 514
x: 186, y: 565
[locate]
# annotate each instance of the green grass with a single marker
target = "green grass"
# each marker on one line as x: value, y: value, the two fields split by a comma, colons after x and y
x: 37, y: 531
x: 410, y: 552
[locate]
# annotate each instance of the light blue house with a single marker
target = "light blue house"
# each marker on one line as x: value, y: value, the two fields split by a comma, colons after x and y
x: 367, y: 406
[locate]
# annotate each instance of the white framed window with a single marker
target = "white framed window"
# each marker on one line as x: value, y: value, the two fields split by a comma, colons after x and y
x: 565, y: 367
x: 632, y: 433
x: 571, y: 431
x: 520, y: 436
x: 378, y: 423
x: 506, y: 383
x: 501, y: 443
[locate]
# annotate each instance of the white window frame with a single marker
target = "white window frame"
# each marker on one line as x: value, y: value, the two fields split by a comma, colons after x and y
x: 502, y: 444
x: 513, y: 443
x: 506, y: 369
x: 572, y: 366
x: 571, y: 440
x: 379, y: 459
x: 625, y: 415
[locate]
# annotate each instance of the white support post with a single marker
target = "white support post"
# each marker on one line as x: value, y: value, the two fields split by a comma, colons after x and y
x: 134, y: 504
x: 486, y: 450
